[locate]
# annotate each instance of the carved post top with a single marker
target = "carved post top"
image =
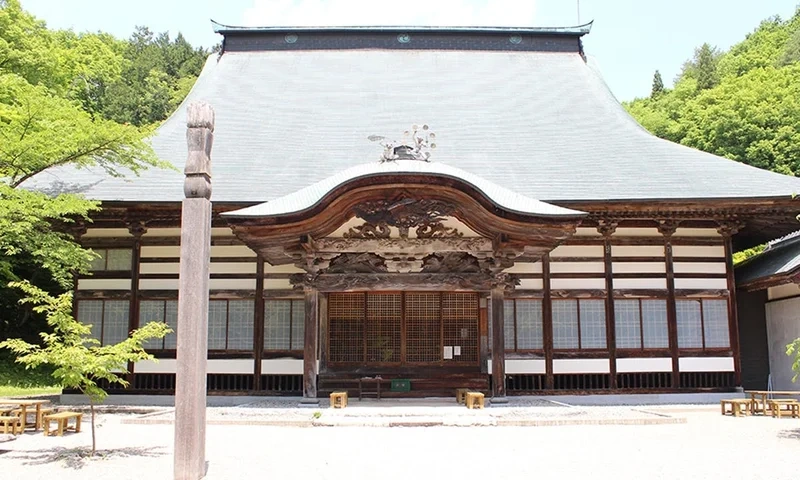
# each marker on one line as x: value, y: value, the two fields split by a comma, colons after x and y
x: 137, y: 228
x: 199, y: 138
x: 607, y: 226
x: 730, y: 227
x: 668, y: 227
x: 200, y: 115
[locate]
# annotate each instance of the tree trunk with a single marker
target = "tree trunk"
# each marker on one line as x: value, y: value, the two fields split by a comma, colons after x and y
x: 94, y: 443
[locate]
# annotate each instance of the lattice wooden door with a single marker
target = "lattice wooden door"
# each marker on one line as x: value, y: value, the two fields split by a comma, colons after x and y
x: 408, y: 328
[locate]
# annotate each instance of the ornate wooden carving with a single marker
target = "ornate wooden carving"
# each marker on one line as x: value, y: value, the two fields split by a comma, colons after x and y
x: 357, y: 263
x: 729, y: 228
x: 437, y: 230
x: 606, y: 227
x: 410, y: 246
x: 404, y: 212
x: 451, y: 262
x: 667, y: 227
x: 369, y: 230
x: 400, y: 281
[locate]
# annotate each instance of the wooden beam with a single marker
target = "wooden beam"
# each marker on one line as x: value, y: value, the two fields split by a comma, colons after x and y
x: 498, y: 346
x: 672, y: 315
x: 137, y: 229
x: 399, y: 281
x: 547, y: 325
x: 483, y: 334
x: 310, y: 347
x: 323, y: 340
x: 733, y: 315
x: 258, y: 330
x: 611, y: 337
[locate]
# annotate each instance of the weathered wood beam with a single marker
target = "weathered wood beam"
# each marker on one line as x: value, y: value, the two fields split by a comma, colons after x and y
x: 310, y: 350
x: 498, y: 346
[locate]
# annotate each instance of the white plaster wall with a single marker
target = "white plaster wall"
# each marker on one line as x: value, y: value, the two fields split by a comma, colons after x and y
x: 161, y: 251
x: 232, y: 284
x: 639, y: 267
x: 783, y: 327
x: 231, y: 251
x: 577, y: 251
x: 586, y: 232
x: 281, y: 269
x: 525, y: 268
x: 529, y: 365
x: 696, y: 232
x: 698, y: 251
x: 637, y: 250
x: 637, y: 232
x: 171, y: 268
x: 577, y: 267
x: 104, y: 284
x: 577, y: 283
x: 282, y: 366
x: 705, y: 364
x: 158, y: 284
x: 581, y: 365
x: 783, y: 291
x: 233, y: 267
x: 701, y: 283
x: 164, y: 365
x: 530, y: 284
x: 276, y: 284
x: 106, y: 233
x: 640, y: 283
x: 238, y: 365
x: 626, y: 365
x: 700, y: 267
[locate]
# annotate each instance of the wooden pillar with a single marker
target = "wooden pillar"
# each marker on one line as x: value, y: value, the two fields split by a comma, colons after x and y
x: 310, y: 347
x: 727, y: 231
x: 190, y: 382
x: 498, y: 346
x: 547, y: 325
x: 137, y: 229
x: 258, y: 330
x: 607, y: 228
x: 667, y: 228
x: 483, y: 332
x: 323, y: 332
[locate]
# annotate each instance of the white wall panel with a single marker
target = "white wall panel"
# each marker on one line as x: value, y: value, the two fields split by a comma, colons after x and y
x: 577, y: 251
x: 705, y: 364
x: 233, y: 267
x: 281, y: 269
x: 783, y: 327
x: 577, y: 267
x: 701, y: 283
x: 697, y: 232
x: 232, y: 284
x: 700, y: 267
x: 161, y: 251
x: 637, y: 232
x: 163, y: 232
x: 277, y: 284
x: 532, y: 365
x: 640, y: 283
x: 525, y: 267
x: 173, y: 268
x: 158, y: 284
x: 238, y: 365
x: 581, y: 365
x: 106, y: 233
x: 530, y: 284
x: 282, y: 366
x: 639, y: 267
x: 218, y: 251
x: 164, y: 365
x: 586, y: 232
x: 637, y: 250
x: 783, y: 291
x: 577, y: 283
x: 625, y: 365
x: 698, y: 251
x: 104, y: 284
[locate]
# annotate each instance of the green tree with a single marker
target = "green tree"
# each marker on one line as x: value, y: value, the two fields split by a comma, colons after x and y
x: 658, y: 85
x: 703, y: 67
x: 79, y: 361
x: 793, y: 350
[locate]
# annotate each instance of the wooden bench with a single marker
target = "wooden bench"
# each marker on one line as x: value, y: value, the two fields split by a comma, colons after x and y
x: 738, y: 405
x: 62, y: 419
x: 461, y: 395
x: 474, y: 400
x: 13, y: 421
x: 792, y: 407
x: 338, y: 399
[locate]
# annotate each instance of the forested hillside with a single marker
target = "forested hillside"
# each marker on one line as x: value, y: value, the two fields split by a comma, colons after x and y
x: 743, y: 104
x: 80, y: 99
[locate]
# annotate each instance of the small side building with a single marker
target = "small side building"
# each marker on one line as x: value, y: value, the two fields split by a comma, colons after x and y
x: 769, y: 313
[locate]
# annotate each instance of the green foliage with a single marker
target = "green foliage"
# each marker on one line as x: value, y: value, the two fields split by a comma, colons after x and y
x: 743, y: 104
x: 16, y: 380
x: 739, y: 257
x: 77, y: 359
x: 658, y: 85
x: 793, y: 350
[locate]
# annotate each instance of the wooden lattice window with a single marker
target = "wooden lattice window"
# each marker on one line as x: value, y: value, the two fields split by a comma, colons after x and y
x: 112, y: 259
x: 108, y: 318
x: 579, y: 324
x: 423, y: 328
x: 460, y: 326
x: 383, y: 330
x: 230, y: 325
x: 523, y: 325
x: 703, y: 323
x: 160, y: 311
x: 284, y: 325
x: 641, y: 323
x: 346, y: 327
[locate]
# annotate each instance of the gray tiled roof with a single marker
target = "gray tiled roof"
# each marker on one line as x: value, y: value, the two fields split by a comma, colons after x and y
x: 543, y: 125
x: 306, y: 198
x: 780, y: 257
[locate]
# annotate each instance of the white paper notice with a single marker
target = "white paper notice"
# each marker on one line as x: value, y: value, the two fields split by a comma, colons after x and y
x: 456, y: 350
x: 448, y: 353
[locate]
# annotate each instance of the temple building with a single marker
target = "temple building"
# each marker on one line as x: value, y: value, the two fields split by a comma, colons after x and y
x: 455, y: 207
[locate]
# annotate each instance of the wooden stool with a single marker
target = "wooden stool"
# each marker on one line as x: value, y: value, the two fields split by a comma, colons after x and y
x: 62, y: 419
x: 42, y: 413
x: 338, y: 399
x: 474, y: 400
x: 461, y: 395
x: 14, y: 421
x: 792, y: 407
x: 736, y: 406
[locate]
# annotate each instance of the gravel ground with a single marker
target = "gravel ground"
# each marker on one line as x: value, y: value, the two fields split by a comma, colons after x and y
x: 707, y: 446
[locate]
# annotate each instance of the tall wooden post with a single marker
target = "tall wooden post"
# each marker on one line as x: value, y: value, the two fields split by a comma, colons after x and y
x: 190, y: 386
x: 668, y: 228
x: 728, y: 230
x: 498, y: 346
x: 310, y: 348
x: 547, y: 325
x: 607, y: 228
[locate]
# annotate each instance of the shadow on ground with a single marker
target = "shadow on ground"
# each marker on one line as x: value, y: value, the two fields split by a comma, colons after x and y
x: 77, y: 458
x: 793, y: 434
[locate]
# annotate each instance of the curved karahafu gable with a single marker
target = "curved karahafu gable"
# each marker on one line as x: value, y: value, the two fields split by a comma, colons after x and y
x: 404, y: 194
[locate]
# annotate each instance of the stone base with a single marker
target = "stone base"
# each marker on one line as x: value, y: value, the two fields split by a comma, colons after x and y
x: 498, y: 401
x: 308, y: 403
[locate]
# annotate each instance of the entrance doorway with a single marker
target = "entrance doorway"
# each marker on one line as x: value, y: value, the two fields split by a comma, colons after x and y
x: 403, y: 328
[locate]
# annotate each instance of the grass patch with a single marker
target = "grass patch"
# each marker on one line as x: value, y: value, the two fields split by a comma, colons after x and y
x: 16, y: 381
